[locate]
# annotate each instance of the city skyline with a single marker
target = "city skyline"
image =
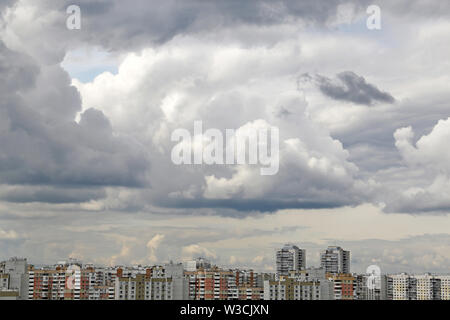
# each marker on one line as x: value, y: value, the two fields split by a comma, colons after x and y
x: 201, y: 280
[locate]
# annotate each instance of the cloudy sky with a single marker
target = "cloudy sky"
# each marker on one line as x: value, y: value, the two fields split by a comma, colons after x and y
x: 86, y: 118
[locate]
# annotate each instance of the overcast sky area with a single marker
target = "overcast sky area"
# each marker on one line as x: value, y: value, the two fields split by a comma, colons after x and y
x: 86, y: 118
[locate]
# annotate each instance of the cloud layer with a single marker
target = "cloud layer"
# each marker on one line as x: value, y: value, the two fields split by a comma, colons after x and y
x: 363, y: 119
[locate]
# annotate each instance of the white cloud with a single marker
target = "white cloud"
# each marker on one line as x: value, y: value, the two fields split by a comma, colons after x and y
x: 153, y: 245
x: 8, y: 235
x: 194, y: 251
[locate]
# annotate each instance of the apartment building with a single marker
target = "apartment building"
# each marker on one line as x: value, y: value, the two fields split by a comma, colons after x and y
x: 291, y: 289
x: 290, y: 258
x: 143, y: 287
x: 403, y: 287
x: 69, y: 282
x: 219, y: 284
x: 335, y: 260
x: 428, y: 287
x: 445, y: 287
x: 377, y: 290
x: 344, y: 286
x: 14, y: 279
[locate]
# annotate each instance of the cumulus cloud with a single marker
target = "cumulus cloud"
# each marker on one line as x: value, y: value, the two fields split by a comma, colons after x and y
x: 153, y: 245
x: 54, y: 149
x: 314, y: 168
x: 194, y: 251
x: 8, y: 235
x: 427, y: 170
x: 83, y: 149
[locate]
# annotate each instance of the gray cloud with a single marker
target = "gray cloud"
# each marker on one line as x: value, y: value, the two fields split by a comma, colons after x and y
x: 41, y: 144
x: 96, y: 152
x: 50, y: 194
x: 350, y: 87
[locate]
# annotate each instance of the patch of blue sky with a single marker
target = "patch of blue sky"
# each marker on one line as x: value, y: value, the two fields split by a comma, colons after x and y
x: 86, y: 64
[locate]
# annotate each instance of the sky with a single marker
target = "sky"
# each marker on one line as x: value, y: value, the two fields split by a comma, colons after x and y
x: 86, y: 118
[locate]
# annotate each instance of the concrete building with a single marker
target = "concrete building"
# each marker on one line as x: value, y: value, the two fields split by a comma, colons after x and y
x: 291, y: 289
x: 143, y: 287
x: 403, y: 287
x: 180, y: 283
x: 14, y: 278
x: 344, y: 286
x: 445, y: 287
x: 335, y: 260
x: 219, y: 284
x: 69, y: 282
x: 290, y: 258
x: 377, y: 290
x: 428, y: 287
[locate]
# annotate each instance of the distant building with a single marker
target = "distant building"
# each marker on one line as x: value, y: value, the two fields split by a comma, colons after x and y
x: 445, y: 287
x: 428, y: 287
x: 291, y: 289
x: 180, y: 284
x: 219, y: 284
x: 71, y: 282
x: 335, y: 260
x: 290, y: 258
x: 14, y: 278
x: 143, y: 287
x: 404, y: 287
x: 344, y: 286
x: 377, y: 290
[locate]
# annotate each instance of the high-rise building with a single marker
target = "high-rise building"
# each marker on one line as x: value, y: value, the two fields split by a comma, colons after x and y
x: 428, y: 287
x: 14, y: 278
x: 335, y: 260
x: 180, y: 283
x: 368, y: 288
x: 290, y: 258
x: 404, y: 287
x: 445, y: 287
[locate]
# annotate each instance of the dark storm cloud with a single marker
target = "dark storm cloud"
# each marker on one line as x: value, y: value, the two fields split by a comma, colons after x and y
x: 348, y: 86
x: 16, y: 71
x: 54, y: 195
x: 122, y: 25
x: 40, y: 144
x: 6, y: 3
x: 248, y: 205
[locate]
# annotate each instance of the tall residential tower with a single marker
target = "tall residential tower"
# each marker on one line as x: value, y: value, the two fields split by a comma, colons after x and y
x: 335, y: 260
x: 290, y: 258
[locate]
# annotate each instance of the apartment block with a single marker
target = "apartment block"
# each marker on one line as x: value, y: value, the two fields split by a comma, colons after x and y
x: 377, y: 290
x: 143, y: 287
x: 290, y: 258
x: 335, y: 260
x: 344, y: 286
x: 68, y: 282
x: 219, y: 284
x: 291, y: 289
x: 428, y: 287
x: 445, y: 287
x: 404, y: 287
x: 14, y: 279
